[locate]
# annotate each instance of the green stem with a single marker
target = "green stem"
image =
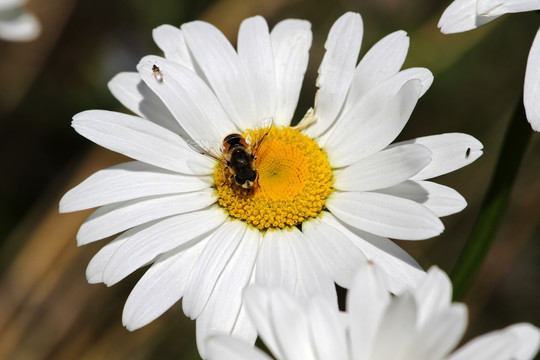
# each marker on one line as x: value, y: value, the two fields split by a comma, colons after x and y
x: 495, y: 202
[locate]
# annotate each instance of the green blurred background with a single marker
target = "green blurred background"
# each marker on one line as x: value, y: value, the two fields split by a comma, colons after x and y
x: 48, y: 311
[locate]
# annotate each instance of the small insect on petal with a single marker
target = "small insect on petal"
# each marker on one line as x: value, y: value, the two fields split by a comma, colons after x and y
x: 156, y: 71
x: 468, y: 153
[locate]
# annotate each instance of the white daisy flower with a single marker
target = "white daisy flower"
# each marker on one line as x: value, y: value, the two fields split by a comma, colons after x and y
x: 464, y: 15
x: 326, y: 195
x: 15, y: 23
x: 420, y: 323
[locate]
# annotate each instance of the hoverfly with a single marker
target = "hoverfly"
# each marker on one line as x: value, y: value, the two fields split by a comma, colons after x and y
x: 156, y: 72
x: 238, y: 154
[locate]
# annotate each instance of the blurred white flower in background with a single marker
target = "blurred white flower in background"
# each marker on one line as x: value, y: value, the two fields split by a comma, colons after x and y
x: 16, y: 24
x: 464, y: 15
x: 419, y: 323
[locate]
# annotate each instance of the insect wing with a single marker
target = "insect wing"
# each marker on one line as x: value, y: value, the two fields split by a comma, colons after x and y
x: 209, y: 148
x: 264, y: 126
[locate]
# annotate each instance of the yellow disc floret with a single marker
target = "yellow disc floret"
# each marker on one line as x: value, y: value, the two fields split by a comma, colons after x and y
x: 294, y: 180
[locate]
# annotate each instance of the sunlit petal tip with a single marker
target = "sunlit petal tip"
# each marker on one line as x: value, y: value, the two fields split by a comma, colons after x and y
x: 460, y: 16
x: 291, y: 40
x: 132, y: 322
x: 63, y: 205
x: 162, y: 32
x: 254, y: 47
x: 123, y: 84
x: 121, y: 78
x: 81, y: 240
x: 450, y: 151
x: 342, y: 49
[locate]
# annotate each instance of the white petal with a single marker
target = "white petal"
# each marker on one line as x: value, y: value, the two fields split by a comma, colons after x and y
x: 449, y: 152
x: 255, y: 51
x: 385, y: 215
x: 383, y: 60
x: 396, y: 328
x: 18, y: 25
x: 125, y: 88
x: 114, y: 218
x: 210, y: 265
x: 336, y: 70
x: 366, y: 303
x: 291, y: 40
x: 424, y: 75
x: 257, y: 301
x: 399, y: 268
x: 496, y: 345
x: 461, y: 16
x: 160, y: 287
x: 221, y: 347
x: 10, y: 4
x: 329, y: 336
x: 149, y: 240
x: 243, y: 262
x: 141, y: 140
x: 528, y: 336
x: 244, y: 327
x: 276, y: 265
x: 291, y: 325
x: 133, y: 93
x: 224, y: 71
x: 342, y: 257
x: 130, y: 180
x: 501, y: 7
x: 313, y: 277
x: 440, y: 199
x: 188, y: 98
x: 171, y: 41
x: 433, y: 294
x: 440, y: 334
x: 224, y: 308
x: 531, y: 92
x: 96, y: 266
x: 372, y: 123
x: 383, y: 169
x: 376, y: 99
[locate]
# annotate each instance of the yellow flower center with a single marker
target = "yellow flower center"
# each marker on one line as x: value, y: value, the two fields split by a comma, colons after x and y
x: 294, y: 179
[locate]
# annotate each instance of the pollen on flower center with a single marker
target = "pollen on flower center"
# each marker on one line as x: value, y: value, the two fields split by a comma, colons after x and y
x: 294, y: 180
